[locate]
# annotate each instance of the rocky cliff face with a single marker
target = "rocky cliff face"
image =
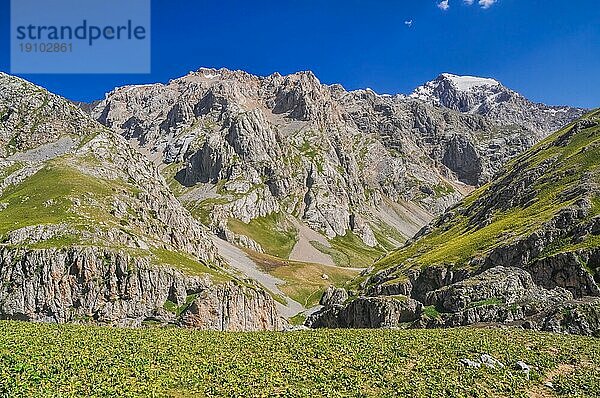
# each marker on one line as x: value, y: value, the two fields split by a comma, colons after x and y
x: 488, y: 97
x: 89, y: 229
x: 87, y: 284
x: 238, y: 146
x: 522, y: 251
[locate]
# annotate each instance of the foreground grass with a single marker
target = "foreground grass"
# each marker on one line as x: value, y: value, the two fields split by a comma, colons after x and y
x: 51, y: 360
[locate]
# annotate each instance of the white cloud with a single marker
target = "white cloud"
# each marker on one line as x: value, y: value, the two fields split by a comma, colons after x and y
x: 482, y: 3
x: 408, y: 23
x: 487, y: 3
x: 444, y: 5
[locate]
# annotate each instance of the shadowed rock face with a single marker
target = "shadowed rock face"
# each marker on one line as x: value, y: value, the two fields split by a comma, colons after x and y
x: 368, y: 312
x: 461, y: 156
x: 537, y: 265
x: 316, y: 152
x: 90, y: 232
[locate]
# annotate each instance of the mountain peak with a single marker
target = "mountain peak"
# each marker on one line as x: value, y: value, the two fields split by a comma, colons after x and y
x: 55, y: 117
x: 468, y: 83
x: 446, y: 83
x: 488, y: 97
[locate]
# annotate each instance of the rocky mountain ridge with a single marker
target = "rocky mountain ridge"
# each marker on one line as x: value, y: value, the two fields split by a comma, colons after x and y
x: 242, y: 147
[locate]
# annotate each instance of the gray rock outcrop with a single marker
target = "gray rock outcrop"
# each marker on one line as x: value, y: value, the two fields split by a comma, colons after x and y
x: 368, y: 312
x: 334, y: 296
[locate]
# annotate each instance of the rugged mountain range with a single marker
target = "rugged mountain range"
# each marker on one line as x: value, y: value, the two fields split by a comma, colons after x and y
x: 488, y: 97
x: 237, y: 147
x: 522, y: 250
x: 90, y: 231
x: 114, y: 222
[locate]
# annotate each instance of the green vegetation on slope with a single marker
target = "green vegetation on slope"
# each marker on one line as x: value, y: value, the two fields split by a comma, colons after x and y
x: 443, y: 189
x: 169, y: 172
x: 45, y: 197
x: 202, y: 210
x: 458, y: 241
x: 389, y: 238
x: 60, y: 194
x: 10, y: 169
x: 70, y: 360
x: 304, y: 282
x: 187, y: 264
x: 350, y: 251
x: 274, y: 233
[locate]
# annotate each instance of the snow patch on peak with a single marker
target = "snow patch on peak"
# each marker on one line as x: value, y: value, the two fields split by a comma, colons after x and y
x: 361, y: 91
x: 467, y: 83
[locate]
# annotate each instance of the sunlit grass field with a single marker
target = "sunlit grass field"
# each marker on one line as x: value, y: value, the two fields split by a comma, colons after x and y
x: 70, y: 360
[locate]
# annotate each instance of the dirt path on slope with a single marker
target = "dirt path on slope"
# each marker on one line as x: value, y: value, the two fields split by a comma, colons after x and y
x: 304, y: 251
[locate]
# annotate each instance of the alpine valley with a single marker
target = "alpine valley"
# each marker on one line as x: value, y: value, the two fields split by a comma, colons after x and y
x: 227, y: 201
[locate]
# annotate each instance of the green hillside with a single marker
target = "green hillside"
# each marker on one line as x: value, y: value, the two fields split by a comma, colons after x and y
x: 77, y: 208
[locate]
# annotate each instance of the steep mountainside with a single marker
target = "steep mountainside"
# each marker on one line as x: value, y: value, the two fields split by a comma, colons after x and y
x: 524, y: 249
x: 489, y: 98
x: 89, y: 230
x: 260, y: 158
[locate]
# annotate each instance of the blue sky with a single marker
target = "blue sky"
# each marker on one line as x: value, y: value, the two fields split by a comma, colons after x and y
x: 549, y: 50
